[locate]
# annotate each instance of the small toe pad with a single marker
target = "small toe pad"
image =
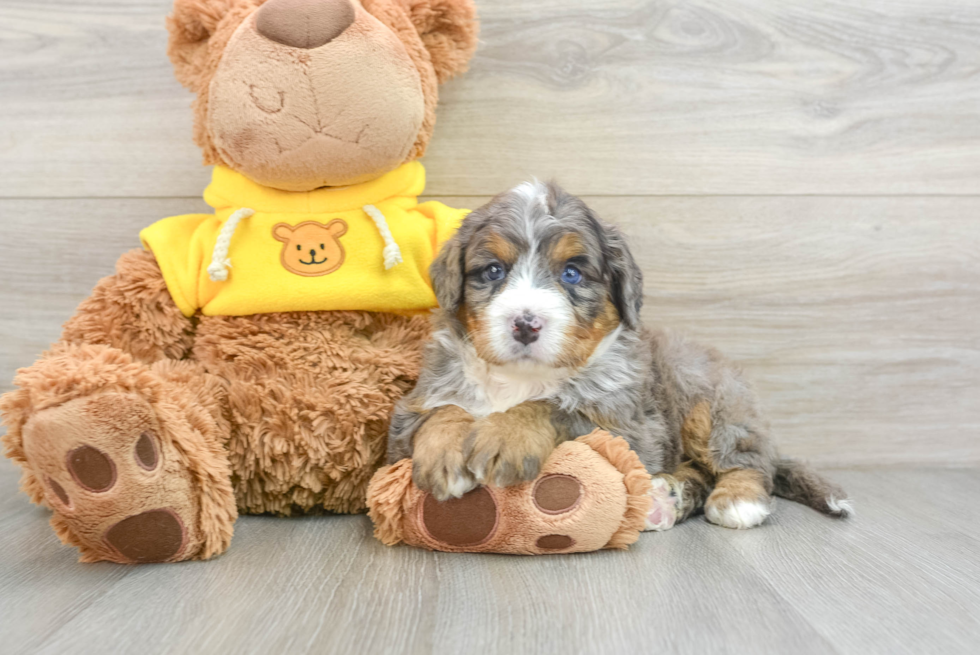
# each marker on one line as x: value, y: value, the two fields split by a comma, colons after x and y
x: 92, y: 469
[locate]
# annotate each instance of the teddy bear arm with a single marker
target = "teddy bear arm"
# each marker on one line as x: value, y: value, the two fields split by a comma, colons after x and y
x: 134, y: 312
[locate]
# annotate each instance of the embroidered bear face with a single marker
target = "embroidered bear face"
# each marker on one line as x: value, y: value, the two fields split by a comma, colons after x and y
x: 312, y: 249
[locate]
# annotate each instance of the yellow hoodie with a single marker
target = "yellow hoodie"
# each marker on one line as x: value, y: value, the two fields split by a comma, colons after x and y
x: 361, y: 247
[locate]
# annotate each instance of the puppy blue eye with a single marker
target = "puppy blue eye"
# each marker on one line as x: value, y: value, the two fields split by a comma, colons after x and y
x: 571, y: 275
x: 494, y: 272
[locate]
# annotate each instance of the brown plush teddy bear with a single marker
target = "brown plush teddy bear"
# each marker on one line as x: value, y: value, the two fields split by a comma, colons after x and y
x: 247, y: 360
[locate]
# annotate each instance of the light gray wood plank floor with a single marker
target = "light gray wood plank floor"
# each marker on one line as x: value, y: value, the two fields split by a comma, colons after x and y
x: 902, y: 577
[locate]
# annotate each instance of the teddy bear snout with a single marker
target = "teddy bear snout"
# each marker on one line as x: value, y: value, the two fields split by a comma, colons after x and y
x: 304, y: 23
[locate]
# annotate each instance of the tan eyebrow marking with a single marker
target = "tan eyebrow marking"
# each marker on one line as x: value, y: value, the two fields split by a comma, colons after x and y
x: 568, y: 246
x: 501, y: 248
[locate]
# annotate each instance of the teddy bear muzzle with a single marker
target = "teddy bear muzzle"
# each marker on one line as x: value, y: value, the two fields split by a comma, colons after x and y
x: 304, y: 24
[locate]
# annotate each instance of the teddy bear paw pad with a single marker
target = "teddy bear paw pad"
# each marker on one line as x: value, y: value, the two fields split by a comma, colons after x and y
x: 461, y: 522
x: 92, y: 469
x: 146, y: 452
x: 557, y: 494
x: 60, y: 493
x: 153, y: 536
x: 555, y: 542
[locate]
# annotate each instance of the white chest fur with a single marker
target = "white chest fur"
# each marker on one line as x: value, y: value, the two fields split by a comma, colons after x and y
x: 481, y: 388
x: 498, y: 388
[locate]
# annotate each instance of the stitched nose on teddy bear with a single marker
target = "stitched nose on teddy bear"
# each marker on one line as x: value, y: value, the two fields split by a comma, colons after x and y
x: 304, y: 23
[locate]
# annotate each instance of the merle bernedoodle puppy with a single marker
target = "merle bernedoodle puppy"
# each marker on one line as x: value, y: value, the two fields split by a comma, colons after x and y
x: 538, y: 334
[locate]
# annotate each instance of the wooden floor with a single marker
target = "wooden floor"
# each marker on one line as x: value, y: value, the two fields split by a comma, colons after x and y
x: 801, y: 184
x: 904, y: 577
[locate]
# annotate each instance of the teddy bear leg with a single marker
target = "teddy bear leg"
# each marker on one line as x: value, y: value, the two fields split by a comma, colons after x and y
x: 591, y: 493
x: 129, y: 459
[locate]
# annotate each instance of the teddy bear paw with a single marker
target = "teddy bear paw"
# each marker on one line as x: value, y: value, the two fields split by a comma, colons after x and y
x: 119, y: 491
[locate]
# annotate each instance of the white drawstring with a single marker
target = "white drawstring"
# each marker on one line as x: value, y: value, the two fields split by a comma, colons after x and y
x: 220, y: 263
x: 392, y: 253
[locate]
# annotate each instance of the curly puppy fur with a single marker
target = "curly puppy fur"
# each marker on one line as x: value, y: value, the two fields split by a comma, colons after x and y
x: 540, y: 316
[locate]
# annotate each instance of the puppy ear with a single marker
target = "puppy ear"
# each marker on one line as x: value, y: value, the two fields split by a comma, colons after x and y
x: 447, y: 274
x: 448, y: 271
x: 449, y: 31
x: 625, y: 277
x: 191, y: 26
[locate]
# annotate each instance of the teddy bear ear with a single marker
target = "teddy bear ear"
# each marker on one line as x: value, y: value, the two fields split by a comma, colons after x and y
x: 191, y: 26
x: 449, y: 30
x: 337, y: 228
x: 283, y: 232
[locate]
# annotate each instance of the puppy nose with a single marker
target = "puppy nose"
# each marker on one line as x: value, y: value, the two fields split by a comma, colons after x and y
x: 304, y: 23
x: 526, y: 329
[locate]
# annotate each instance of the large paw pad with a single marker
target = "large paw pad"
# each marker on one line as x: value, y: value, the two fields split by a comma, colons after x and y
x: 154, y: 536
x: 462, y: 522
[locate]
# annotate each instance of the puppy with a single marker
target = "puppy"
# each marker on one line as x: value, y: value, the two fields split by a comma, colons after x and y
x: 538, y: 339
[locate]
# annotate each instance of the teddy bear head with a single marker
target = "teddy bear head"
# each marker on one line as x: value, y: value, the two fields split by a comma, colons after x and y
x: 302, y: 94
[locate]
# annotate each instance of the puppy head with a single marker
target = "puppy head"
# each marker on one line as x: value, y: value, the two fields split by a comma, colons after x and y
x: 534, y: 277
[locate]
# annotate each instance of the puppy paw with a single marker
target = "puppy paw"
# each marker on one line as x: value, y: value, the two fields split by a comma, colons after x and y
x: 442, y: 473
x: 438, y: 464
x: 739, y: 501
x: 504, y: 452
x: 665, y: 510
x: 736, y: 513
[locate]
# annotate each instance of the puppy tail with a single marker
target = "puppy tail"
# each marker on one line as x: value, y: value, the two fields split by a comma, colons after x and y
x: 798, y: 482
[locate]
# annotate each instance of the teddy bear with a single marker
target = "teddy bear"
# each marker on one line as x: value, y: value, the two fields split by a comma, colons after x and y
x: 247, y: 360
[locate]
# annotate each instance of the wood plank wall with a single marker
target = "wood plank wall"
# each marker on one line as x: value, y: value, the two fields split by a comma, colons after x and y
x: 801, y: 182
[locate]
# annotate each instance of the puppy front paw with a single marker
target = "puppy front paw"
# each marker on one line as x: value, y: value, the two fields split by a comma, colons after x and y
x: 443, y: 474
x: 438, y: 464
x: 502, y: 451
